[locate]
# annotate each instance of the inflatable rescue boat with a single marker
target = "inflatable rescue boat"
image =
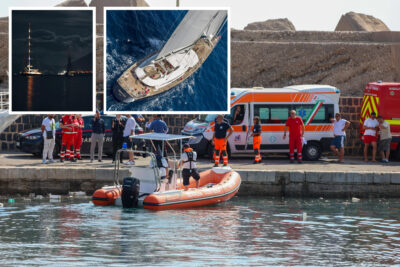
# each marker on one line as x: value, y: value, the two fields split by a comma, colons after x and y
x: 145, y: 188
x: 216, y: 185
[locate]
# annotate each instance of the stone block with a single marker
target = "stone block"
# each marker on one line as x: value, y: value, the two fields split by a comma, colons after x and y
x: 270, y: 177
x: 243, y: 175
x: 107, y: 174
x: 395, y: 178
x: 339, y: 177
x: 312, y: 177
x: 297, y: 177
x: 255, y: 176
x: 381, y: 178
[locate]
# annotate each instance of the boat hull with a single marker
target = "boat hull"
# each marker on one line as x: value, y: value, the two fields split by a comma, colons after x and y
x: 128, y: 87
x: 224, y: 187
x: 106, y: 196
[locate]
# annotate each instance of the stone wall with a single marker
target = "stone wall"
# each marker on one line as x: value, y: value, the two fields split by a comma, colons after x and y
x: 345, y: 60
x: 350, y: 108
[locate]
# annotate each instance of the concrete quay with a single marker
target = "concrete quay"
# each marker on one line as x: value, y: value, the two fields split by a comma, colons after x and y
x: 23, y: 174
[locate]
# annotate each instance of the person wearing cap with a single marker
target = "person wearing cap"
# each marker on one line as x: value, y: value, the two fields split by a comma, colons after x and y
x: 98, y: 132
x: 220, y: 138
x: 188, y: 162
x: 385, y: 139
x: 296, y: 134
x: 339, y: 131
x: 371, y: 125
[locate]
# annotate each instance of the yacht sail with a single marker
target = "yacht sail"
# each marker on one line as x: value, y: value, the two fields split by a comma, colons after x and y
x: 195, y: 24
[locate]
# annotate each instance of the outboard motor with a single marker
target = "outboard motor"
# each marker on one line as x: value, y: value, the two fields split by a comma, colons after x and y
x: 130, y: 192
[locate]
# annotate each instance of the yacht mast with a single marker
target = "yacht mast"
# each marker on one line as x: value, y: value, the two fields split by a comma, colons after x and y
x: 29, y: 47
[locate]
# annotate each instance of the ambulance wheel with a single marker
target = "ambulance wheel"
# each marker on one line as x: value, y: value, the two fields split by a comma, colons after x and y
x: 312, y: 151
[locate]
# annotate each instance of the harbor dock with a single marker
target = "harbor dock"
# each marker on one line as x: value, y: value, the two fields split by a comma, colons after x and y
x: 23, y: 174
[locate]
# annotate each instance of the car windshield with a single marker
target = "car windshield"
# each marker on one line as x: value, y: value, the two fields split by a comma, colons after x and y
x: 206, y: 118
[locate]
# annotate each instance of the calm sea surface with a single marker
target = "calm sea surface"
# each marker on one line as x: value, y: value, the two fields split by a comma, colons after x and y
x: 243, y: 231
x: 52, y: 93
x: 133, y: 35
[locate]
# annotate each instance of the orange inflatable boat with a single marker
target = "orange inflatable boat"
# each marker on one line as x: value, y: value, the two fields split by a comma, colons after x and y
x: 214, y: 188
x: 146, y: 188
x: 106, y: 196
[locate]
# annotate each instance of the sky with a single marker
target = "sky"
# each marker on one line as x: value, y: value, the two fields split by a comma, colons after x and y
x: 318, y: 15
x: 55, y: 35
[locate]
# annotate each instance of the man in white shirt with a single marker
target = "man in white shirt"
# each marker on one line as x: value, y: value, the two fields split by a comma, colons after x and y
x: 370, y: 127
x: 339, y: 131
x: 129, y: 130
x: 188, y: 162
x: 49, y: 136
x: 385, y: 139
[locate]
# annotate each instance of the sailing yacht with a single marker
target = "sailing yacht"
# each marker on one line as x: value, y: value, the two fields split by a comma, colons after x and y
x: 29, y: 70
x: 184, y: 52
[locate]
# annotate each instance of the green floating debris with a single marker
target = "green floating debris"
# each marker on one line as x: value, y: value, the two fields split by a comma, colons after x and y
x: 11, y: 200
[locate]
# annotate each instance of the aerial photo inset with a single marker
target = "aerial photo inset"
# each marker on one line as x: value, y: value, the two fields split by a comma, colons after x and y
x: 52, y: 61
x: 167, y: 60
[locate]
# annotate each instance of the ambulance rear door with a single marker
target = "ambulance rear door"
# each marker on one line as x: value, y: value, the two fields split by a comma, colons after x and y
x: 239, y: 120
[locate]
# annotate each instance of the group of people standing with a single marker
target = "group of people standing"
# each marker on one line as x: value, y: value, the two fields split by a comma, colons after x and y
x: 123, y: 127
x: 71, y: 125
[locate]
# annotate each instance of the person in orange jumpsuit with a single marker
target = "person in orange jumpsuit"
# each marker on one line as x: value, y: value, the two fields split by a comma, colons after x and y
x: 296, y: 134
x: 256, y: 134
x: 67, y: 124
x: 78, y: 136
x: 220, y: 138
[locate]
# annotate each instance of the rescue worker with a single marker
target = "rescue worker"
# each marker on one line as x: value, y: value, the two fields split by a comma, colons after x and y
x: 296, y: 134
x: 188, y: 162
x: 256, y: 134
x: 220, y: 139
x: 67, y: 124
x: 78, y: 136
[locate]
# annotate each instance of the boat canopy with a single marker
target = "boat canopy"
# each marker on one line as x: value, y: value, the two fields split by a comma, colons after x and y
x: 195, y: 24
x: 160, y: 137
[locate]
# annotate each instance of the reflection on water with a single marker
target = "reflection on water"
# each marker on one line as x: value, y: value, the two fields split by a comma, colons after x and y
x: 52, y: 93
x: 260, y: 231
x: 30, y: 92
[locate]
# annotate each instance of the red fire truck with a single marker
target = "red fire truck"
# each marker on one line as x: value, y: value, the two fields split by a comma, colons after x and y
x: 383, y: 98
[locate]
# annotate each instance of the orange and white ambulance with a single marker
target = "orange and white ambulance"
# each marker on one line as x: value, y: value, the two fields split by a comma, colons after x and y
x: 316, y: 104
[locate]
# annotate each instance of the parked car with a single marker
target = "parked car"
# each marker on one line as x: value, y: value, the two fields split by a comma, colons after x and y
x: 31, y: 141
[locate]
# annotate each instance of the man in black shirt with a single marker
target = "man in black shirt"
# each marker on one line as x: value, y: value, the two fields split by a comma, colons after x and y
x: 220, y: 139
x: 117, y: 127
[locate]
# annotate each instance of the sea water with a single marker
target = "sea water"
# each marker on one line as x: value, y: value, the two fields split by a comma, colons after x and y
x: 52, y: 93
x: 133, y: 35
x: 242, y: 231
